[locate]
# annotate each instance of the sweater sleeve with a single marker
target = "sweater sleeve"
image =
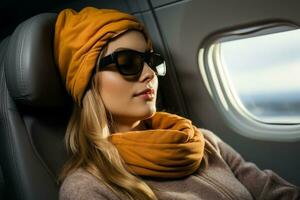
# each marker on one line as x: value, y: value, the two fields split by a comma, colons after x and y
x: 82, y: 186
x: 262, y: 184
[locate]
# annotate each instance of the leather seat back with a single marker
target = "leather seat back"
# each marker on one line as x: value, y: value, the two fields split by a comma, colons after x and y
x: 34, y: 112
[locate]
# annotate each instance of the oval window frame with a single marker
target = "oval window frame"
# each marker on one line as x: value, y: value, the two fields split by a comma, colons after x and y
x: 218, y: 88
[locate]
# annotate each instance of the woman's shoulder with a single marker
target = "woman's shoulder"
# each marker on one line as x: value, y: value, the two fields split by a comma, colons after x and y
x: 82, y: 185
x: 78, y: 178
x: 211, y: 140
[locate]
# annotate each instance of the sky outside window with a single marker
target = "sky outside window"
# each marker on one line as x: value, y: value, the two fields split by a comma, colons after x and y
x: 264, y: 72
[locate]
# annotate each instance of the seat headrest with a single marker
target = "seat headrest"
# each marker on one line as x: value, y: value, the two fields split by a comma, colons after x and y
x: 31, y: 74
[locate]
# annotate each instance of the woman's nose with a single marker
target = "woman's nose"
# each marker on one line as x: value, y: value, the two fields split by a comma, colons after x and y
x: 147, y: 74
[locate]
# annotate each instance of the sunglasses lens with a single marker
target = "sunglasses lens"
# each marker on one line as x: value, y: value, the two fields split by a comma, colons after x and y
x: 130, y: 63
x: 157, y: 63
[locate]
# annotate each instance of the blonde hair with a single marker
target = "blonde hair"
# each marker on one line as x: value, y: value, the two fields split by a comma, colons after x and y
x: 87, y: 140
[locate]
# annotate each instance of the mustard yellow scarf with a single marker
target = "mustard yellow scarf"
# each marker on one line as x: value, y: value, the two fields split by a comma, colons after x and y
x: 173, y: 148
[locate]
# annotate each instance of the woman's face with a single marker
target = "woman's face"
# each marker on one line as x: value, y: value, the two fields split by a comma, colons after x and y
x: 123, y: 96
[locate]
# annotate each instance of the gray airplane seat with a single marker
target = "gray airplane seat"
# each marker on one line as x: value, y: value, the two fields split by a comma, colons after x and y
x: 34, y: 112
x: 3, y: 47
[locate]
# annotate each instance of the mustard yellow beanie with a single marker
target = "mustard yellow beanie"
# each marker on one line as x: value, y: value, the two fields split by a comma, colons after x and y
x: 79, y: 38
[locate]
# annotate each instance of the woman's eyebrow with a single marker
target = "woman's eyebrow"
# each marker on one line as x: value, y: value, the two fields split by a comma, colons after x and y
x: 120, y: 49
x: 124, y: 48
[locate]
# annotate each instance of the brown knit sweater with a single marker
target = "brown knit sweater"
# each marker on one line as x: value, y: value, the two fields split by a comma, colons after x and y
x: 227, y: 176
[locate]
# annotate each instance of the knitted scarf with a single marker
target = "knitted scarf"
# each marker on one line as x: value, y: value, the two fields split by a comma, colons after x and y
x: 172, y: 148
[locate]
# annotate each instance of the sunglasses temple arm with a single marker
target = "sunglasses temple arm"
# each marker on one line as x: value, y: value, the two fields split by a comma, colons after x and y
x: 106, y: 61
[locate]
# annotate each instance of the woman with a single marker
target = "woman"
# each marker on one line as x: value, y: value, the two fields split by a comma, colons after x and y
x: 121, y: 148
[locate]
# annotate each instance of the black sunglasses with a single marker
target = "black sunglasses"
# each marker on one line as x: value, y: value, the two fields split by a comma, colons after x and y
x: 131, y: 62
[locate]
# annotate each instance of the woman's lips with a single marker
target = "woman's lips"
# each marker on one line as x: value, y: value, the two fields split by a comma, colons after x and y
x: 147, y: 94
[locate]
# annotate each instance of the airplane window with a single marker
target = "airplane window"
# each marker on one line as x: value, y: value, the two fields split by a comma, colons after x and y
x: 252, y: 75
x: 263, y: 74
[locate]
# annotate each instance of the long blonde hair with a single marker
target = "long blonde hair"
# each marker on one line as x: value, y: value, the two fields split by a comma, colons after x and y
x: 87, y: 140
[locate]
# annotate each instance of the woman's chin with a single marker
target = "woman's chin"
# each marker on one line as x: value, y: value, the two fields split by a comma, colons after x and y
x: 136, y: 113
x: 147, y: 113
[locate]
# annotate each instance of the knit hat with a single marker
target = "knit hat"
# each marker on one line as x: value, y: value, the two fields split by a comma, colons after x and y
x: 79, y: 39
